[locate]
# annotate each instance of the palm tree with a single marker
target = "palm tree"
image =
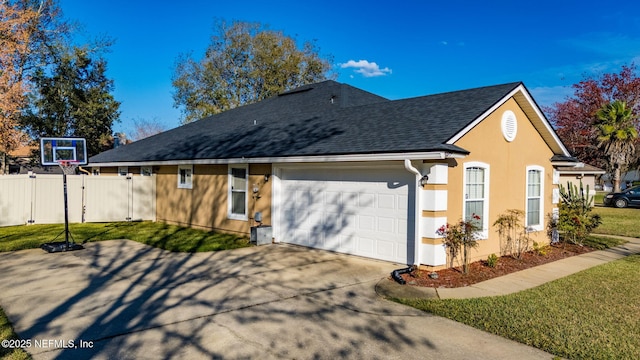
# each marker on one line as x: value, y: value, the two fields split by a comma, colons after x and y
x: 617, y: 134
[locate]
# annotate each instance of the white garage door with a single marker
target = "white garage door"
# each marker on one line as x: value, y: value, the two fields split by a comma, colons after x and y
x: 360, y: 211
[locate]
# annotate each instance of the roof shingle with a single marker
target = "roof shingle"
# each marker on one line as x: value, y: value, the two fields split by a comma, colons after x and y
x: 326, y: 118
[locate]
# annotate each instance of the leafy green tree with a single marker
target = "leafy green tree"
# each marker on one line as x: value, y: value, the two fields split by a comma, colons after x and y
x: 575, y: 118
x: 616, y: 135
x: 244, y: 63
x: 74, y: 99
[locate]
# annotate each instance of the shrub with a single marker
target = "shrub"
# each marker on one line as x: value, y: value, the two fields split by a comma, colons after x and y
x: 514, y: 238
x: 492, y: 260
x: 540, y: 249
x: 575, y: 220
x: 461, y: 236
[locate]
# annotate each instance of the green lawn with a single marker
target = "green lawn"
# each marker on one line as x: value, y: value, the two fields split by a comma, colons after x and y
x: 590, y: 315
x: 7, y: 333
x: 169, y: 237
x: 624, y: 222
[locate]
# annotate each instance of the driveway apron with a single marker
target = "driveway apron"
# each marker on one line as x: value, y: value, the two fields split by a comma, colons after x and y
x: 123, y: 300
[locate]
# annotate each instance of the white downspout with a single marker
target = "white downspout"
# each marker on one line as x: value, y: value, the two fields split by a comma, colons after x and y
x: 417, y: 212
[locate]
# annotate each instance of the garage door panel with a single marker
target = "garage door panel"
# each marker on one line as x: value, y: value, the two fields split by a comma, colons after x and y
x: 366, y: 222
x: 402, y: 227
x: 402, y: 202
x: 385, y: 247
x: 387, y: 201
x: 386, y: 225
x: 361, y: 212
x: 367, y: 201
x: 365, y: 246
x: 332, y: 198
x: 302, y: 237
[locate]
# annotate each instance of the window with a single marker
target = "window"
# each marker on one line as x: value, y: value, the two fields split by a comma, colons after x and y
x: 476, y: 194
x: 238, y: 192
x: 95, y: 171
x: 535, y: 189
x: 185, y: 176
x: 146, y: 170
x: 123, y: 170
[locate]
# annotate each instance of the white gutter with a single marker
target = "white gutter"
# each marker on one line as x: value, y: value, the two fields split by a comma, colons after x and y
x: 417, y: 212
x: 291, y: 159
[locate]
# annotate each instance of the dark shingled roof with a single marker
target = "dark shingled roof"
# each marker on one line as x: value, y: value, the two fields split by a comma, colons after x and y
x: 326, y: 118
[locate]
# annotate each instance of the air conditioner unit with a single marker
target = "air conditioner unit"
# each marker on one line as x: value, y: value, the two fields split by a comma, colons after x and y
x: 261, y: 235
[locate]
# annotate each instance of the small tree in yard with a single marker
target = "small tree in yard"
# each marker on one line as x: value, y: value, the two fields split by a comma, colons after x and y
x: 616, y: 136
x: 575, y: 220
x: 514, y: 239
x: 461, y: 236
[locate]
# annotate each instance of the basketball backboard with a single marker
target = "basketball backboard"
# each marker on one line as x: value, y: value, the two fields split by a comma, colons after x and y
x: 53, y: 150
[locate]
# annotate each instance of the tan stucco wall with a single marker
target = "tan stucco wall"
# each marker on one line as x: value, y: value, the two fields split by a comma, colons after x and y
x: 205, y: 204
x: 587, y: 180
x: 507, y: 182
x: 108, y: 171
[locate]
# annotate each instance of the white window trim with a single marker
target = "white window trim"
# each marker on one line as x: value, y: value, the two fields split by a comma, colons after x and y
x: 484, y: 233
x: 123, y: 170
x: 189, y: 183
x: 540, y: 226
x: 231, y: 215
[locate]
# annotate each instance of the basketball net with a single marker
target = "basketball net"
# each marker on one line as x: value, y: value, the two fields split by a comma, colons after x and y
x: 68, y: 166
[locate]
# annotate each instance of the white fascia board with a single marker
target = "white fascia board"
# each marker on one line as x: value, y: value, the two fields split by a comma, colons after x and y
x: 520, y: 88
x: 297, y: 159
x: 575, y: 173
x: 546, y: 123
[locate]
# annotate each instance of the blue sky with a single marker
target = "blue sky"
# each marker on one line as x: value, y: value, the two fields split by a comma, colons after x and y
x: 394, y: 49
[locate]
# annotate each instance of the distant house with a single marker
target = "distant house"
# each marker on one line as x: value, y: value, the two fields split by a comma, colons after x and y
x: 580, y: 173
x: 20, y: 161
x: 333, y: 167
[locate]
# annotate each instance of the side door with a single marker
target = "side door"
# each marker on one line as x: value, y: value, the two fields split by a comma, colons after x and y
x: 634, y: 196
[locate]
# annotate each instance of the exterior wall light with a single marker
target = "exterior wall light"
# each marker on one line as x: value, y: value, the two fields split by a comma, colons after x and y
x: 423, y: 181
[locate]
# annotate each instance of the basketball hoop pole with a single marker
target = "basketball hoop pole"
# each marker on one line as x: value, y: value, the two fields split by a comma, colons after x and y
x: 68, y: 167
x: 66, y: 210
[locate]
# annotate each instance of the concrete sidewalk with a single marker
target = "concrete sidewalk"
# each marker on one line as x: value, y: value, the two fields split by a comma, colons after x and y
x: 518, y: 281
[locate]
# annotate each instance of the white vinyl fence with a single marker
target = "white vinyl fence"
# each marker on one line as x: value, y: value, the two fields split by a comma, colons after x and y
x: 39, y: 199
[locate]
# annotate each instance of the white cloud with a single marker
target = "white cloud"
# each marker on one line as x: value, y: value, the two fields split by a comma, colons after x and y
x: 366, y: 68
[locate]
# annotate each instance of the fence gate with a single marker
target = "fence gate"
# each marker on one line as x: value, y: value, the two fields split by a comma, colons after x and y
x: 38, y: 199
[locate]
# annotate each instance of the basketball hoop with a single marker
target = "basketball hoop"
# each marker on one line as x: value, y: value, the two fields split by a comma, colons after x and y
x: 68, y: 166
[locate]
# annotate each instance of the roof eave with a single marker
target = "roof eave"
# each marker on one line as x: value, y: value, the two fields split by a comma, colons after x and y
x: 419, y: 155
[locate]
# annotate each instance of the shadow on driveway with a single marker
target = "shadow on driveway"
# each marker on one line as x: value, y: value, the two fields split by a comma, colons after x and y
x: 121, y: 299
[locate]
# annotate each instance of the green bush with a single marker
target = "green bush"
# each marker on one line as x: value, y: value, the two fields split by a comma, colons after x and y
x: 492, y: 260
x: 575, y: 220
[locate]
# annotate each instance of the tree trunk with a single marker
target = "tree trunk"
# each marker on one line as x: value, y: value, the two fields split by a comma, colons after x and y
x: 616, y: 179
x: 465, y: 261
x: 3, y: 163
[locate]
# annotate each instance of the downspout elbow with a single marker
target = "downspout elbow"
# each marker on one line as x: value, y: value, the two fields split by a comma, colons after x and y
x: 410, y: 168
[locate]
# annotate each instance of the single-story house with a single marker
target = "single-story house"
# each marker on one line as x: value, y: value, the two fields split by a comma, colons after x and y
x: 333, y: 167
x: 581, y: 173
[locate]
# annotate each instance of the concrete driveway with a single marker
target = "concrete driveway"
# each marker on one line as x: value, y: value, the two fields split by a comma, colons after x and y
x: 123, y: 300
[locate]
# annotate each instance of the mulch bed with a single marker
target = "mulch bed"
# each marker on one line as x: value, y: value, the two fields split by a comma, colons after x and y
x: 480, y: 271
